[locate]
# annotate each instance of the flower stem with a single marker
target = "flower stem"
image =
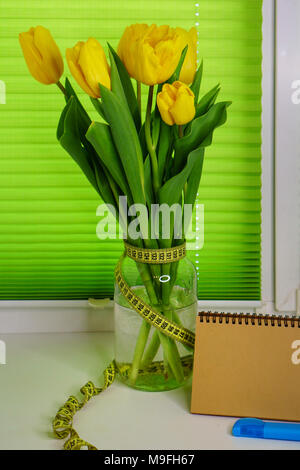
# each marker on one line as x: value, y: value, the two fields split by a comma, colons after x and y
x: 139, y: 95
x: 139, y: 350
x: 152, y: 349
x: 61, y: 87
x: 145, y: 327
x: 149, y: 142
x: 169, y: 346
x: 180, y: 131
x: 172, y: 356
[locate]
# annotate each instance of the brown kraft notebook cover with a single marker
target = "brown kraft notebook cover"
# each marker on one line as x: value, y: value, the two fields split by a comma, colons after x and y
x: 247, y: 366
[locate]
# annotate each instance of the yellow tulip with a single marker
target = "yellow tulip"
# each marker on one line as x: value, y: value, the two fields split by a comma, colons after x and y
x: 189, y: 66
x: 176, y: 103
x: 150, y: 53
x: 88, y: 65
x: 43, y: 58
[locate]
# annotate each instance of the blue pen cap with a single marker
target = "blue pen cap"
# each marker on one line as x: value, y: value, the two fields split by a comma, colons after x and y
x: 248, y: 427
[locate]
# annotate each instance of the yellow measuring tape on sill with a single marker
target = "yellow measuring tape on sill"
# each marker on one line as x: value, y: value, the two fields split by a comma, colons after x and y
x: 63, y: 421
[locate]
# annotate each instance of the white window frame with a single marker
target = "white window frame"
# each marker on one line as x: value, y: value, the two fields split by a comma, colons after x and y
x: 287, y: 157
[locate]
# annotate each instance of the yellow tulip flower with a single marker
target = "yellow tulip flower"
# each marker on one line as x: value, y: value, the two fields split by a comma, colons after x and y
x: 189, y: 66
x: 88, y: 65
x: 150, y: 53
x: 176, y: 103
x: 43, y: 57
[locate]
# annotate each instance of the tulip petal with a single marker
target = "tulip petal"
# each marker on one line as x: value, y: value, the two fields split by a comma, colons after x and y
x: 94, y: 65
x: 72, y: 59
x: 168, y: 55
x: 33, y: 57
x: 183, y: 111
x: 176, y: 103
x: 128, y: 45
x: 50, y: 53
x: 148, y: 64
x: 150, y: 53
x: 164, y: 103
x: 171, y: 93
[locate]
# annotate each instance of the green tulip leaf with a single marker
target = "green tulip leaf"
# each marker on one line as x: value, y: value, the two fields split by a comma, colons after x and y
x: 143, y: 142
x: 200, y: 133
x: 194, y: 179
x: 61, y: 123
x: 69, y: 138
x: 176, y: 74
x: 105, y: 187
x: 195, y: 176
x: 71, y: 92
x: 122, y: 86
x: 171, y: 192
x: 83, y: 120
x: 195, y: 86
x: 148, y: 182
x: 99, y: 135
x: 164, y: 148
x: 126, y: 141
x: 98, y: 106
x: 155, y: 126
x: 207, y: 101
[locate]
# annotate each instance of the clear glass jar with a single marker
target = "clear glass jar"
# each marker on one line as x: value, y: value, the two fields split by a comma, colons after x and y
x: 147, y: 359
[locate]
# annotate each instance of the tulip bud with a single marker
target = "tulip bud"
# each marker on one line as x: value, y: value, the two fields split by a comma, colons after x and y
x: 89, y: 67
x: 150, y: 53
x: 189, y: 66
x: 176, y: 103
x: 42, y: 56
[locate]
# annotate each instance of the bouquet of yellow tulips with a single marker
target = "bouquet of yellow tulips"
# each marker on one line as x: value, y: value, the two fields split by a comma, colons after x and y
x: 152, y: 157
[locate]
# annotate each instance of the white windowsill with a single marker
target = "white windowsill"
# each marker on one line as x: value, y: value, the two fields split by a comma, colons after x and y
x: 67, y: 316
x: 43, y: 370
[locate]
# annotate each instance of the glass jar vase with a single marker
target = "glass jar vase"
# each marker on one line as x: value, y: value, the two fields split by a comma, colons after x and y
x: 146, y: 358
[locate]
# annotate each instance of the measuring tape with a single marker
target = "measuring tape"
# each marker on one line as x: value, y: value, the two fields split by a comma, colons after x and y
x: 161, y: 256
x: 63, y: 421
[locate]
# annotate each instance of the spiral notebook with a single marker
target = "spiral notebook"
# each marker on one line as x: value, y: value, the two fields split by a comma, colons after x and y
x: 247, y: 365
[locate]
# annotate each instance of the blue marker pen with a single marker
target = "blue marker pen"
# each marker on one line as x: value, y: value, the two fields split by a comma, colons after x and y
x: 250, y: 427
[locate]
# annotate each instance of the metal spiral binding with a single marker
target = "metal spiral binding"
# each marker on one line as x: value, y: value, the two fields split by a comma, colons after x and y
x: 250, y: 319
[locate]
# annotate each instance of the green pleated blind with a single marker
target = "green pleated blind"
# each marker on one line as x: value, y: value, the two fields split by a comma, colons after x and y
x: 48, y: 243
x: 230, y: 39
